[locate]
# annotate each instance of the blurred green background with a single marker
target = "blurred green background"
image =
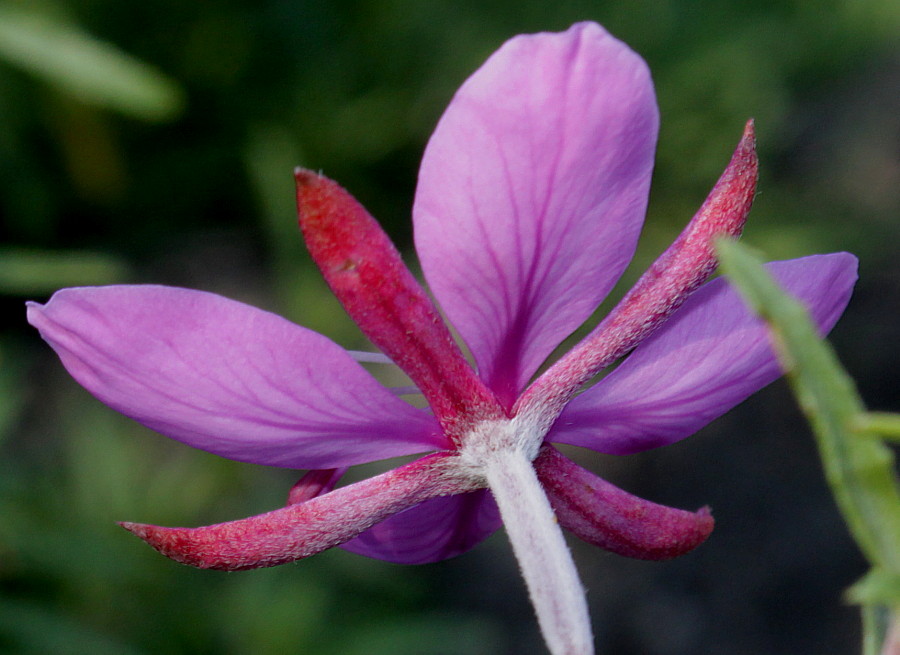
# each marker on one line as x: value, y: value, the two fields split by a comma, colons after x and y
x: 154, y: 142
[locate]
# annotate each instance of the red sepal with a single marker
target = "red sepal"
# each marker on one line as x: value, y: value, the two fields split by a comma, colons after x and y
x: 604, y: 515
x: 306, y: 528
x: 368, y: 276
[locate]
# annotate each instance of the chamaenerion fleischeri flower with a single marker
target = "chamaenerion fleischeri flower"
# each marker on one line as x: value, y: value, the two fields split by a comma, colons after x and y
x: 530, y: 199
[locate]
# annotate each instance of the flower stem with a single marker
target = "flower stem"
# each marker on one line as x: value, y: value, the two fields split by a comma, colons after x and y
x: 544, y: 558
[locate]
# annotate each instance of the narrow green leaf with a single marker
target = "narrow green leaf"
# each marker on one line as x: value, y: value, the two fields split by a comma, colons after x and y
x: 860, y: 470
x: 95, y: 72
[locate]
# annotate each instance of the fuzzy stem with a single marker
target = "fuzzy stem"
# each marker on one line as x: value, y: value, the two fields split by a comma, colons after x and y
x: 544, y: 558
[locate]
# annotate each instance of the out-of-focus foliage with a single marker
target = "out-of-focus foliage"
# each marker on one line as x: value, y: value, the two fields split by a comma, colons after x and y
x: 80, y: 65
x: 91, y: 193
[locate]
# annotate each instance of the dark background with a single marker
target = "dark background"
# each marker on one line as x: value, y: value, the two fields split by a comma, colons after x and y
x: 186, y: 179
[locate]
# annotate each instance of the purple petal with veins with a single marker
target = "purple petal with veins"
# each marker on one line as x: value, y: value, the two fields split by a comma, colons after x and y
x: 532, y: 194
x: 229, y: 378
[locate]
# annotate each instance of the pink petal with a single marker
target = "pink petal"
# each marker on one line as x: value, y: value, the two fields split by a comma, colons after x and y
x: 228, y: 378
x: 532, y: 193
x: 706, y: 359
x: 367, y: 275
x: 306, y: 528
x: 435, y: 530
x: 672, y: 278
x: 606, y: 516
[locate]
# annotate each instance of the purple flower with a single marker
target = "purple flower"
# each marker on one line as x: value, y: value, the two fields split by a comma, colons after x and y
x: 530, y: 200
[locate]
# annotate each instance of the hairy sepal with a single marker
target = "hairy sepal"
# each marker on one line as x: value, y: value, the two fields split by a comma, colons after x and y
x: 366, y: 273
x: 677, y: 273
x: 305, y: 528
x: 605, y: 516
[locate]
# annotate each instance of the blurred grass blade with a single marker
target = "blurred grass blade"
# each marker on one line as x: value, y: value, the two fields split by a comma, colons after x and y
x: 24, y: 271
x: 860, y: 469
x: 71, y: 60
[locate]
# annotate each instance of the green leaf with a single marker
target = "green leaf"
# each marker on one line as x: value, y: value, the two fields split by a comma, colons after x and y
x: 877, y: 587
x: 95, y: 72
x: 859, y: 469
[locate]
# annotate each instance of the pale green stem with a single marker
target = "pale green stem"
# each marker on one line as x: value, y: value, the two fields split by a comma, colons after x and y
x: 884, y: 424
x: 537, y: 541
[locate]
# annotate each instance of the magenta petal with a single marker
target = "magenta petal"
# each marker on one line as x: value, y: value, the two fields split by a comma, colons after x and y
x: 228, y: 378
x: 532, y: 193
x: 306, y: 528
x: 435, y: 530
x: 710, y: 356
x: 604, y: 515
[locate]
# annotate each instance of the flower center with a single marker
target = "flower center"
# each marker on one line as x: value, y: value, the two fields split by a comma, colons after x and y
x: 487, y: 439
